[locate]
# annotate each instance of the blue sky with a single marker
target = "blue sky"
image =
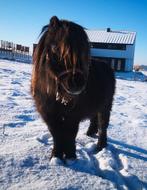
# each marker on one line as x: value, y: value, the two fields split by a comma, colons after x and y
x: 21, y: 20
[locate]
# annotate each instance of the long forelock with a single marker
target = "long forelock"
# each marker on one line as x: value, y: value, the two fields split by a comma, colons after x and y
x: 69, y: 50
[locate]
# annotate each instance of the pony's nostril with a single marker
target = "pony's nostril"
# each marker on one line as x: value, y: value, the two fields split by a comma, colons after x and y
x: 76, y: 82
x: 72, y: 81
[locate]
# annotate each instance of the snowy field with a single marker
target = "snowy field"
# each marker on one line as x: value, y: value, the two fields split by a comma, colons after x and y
x: 25, y: 143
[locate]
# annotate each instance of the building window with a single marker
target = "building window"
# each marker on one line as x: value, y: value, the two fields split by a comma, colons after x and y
x: 108, y: 46
x: 115, y: 63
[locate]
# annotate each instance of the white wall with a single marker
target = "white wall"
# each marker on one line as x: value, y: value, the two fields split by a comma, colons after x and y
x: 15, y: 56
x: 127, y: 54
x: 129, y: 65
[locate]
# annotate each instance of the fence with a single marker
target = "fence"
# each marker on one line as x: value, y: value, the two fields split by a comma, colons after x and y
x: 16, y: 52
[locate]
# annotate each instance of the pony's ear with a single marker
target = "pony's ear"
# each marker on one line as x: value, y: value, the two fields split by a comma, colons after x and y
x: 54, y: 22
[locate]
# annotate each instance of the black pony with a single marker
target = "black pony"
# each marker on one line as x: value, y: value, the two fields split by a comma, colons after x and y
x: 68, y: 86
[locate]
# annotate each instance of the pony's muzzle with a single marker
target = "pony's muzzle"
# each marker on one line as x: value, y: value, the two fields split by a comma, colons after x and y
x: 73, y: 83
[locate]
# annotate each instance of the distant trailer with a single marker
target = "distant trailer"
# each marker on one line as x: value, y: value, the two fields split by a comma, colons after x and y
x: 114, y: 47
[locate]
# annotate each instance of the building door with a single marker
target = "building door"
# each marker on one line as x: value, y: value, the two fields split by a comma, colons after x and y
x: 113, y: 64
x: 119, y: 65
x: 123, y: 64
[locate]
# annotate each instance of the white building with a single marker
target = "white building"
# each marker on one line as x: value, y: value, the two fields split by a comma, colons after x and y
x: 114, y: 47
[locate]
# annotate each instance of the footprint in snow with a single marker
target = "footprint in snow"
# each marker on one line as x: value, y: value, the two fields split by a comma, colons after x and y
x: 17, y: 93
x: 16, y: 82
x: 25, y: 118
x: 8, y: 71
x: 29, y: 162
x: 15, y: 124
x: 130, y: 86
x: 114, y: 167
x: 44, y: 139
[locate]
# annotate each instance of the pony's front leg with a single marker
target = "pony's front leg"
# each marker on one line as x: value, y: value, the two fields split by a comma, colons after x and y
x: 69, y: 132
x: 56, y: 129
x: 57, y: 147
x: 69, y: 136
x: 64, y: 132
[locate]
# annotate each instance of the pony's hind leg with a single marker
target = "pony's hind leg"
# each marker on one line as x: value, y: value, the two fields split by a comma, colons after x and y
x: 93, y: 128
x: 103, y: 122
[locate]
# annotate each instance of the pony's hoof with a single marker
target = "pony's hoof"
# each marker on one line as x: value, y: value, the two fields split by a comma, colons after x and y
x: 54, y: 161
x: 91, y: 132
x: 100, y: 147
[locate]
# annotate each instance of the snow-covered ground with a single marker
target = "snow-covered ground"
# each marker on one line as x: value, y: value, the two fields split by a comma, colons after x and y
x: 25, y: 143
